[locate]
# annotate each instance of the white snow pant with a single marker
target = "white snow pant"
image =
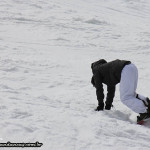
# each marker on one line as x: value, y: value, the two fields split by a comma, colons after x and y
x: 128, y: 85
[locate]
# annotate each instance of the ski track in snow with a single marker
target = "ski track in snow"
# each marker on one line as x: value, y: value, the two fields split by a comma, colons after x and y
x: 46, y: 51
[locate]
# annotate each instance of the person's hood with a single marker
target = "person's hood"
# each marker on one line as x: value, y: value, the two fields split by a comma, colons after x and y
x: 99, y: 62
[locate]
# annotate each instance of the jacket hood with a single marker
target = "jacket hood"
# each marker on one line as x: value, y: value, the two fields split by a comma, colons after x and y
x: 99, y: 62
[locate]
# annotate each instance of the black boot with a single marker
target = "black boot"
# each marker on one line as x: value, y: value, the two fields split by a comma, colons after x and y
x: 143, y: 116
x: 148, y: 104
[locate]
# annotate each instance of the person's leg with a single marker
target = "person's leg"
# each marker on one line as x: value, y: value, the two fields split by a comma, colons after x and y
x: 128, y: 85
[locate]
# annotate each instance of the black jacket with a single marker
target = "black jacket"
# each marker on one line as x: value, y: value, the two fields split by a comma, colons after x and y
x: 109, y: 74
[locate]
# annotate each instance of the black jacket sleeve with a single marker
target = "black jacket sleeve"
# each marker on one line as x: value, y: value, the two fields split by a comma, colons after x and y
x: 110, y: 94
x: 99, y: 87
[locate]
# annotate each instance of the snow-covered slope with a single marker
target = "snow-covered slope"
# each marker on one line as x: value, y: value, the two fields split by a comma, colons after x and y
x: 46, y: 49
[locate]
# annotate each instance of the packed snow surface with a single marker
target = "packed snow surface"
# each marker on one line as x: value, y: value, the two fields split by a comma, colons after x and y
x: 46, y: 50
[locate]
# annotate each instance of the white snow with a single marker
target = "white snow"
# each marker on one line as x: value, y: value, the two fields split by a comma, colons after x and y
x: 46, y: 49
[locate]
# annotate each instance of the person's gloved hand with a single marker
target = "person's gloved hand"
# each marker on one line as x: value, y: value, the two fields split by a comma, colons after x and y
x: 108, y: 106
x: 100, y: 107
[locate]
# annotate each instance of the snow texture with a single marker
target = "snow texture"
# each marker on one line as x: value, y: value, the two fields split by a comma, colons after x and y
x: 47, y: 47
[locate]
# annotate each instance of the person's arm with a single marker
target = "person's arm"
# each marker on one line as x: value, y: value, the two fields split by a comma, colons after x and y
x: 110, y: 96
x: 99, y: 90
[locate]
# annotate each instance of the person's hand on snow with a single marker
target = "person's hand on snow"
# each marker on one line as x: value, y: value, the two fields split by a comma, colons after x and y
x: 100, y: 107
x: 108, y: 106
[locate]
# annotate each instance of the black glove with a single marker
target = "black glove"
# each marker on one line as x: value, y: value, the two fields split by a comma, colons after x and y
x: 100, y: 107
x: 108, y: 106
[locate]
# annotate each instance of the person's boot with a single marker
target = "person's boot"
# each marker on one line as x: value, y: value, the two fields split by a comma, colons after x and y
x: 143, y: 116
x: 148, y: 104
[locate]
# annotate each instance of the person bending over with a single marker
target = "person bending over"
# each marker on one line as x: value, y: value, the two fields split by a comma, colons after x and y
x: 125, y: 73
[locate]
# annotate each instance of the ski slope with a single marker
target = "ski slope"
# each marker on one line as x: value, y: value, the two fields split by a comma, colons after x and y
x: 46, y: 50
